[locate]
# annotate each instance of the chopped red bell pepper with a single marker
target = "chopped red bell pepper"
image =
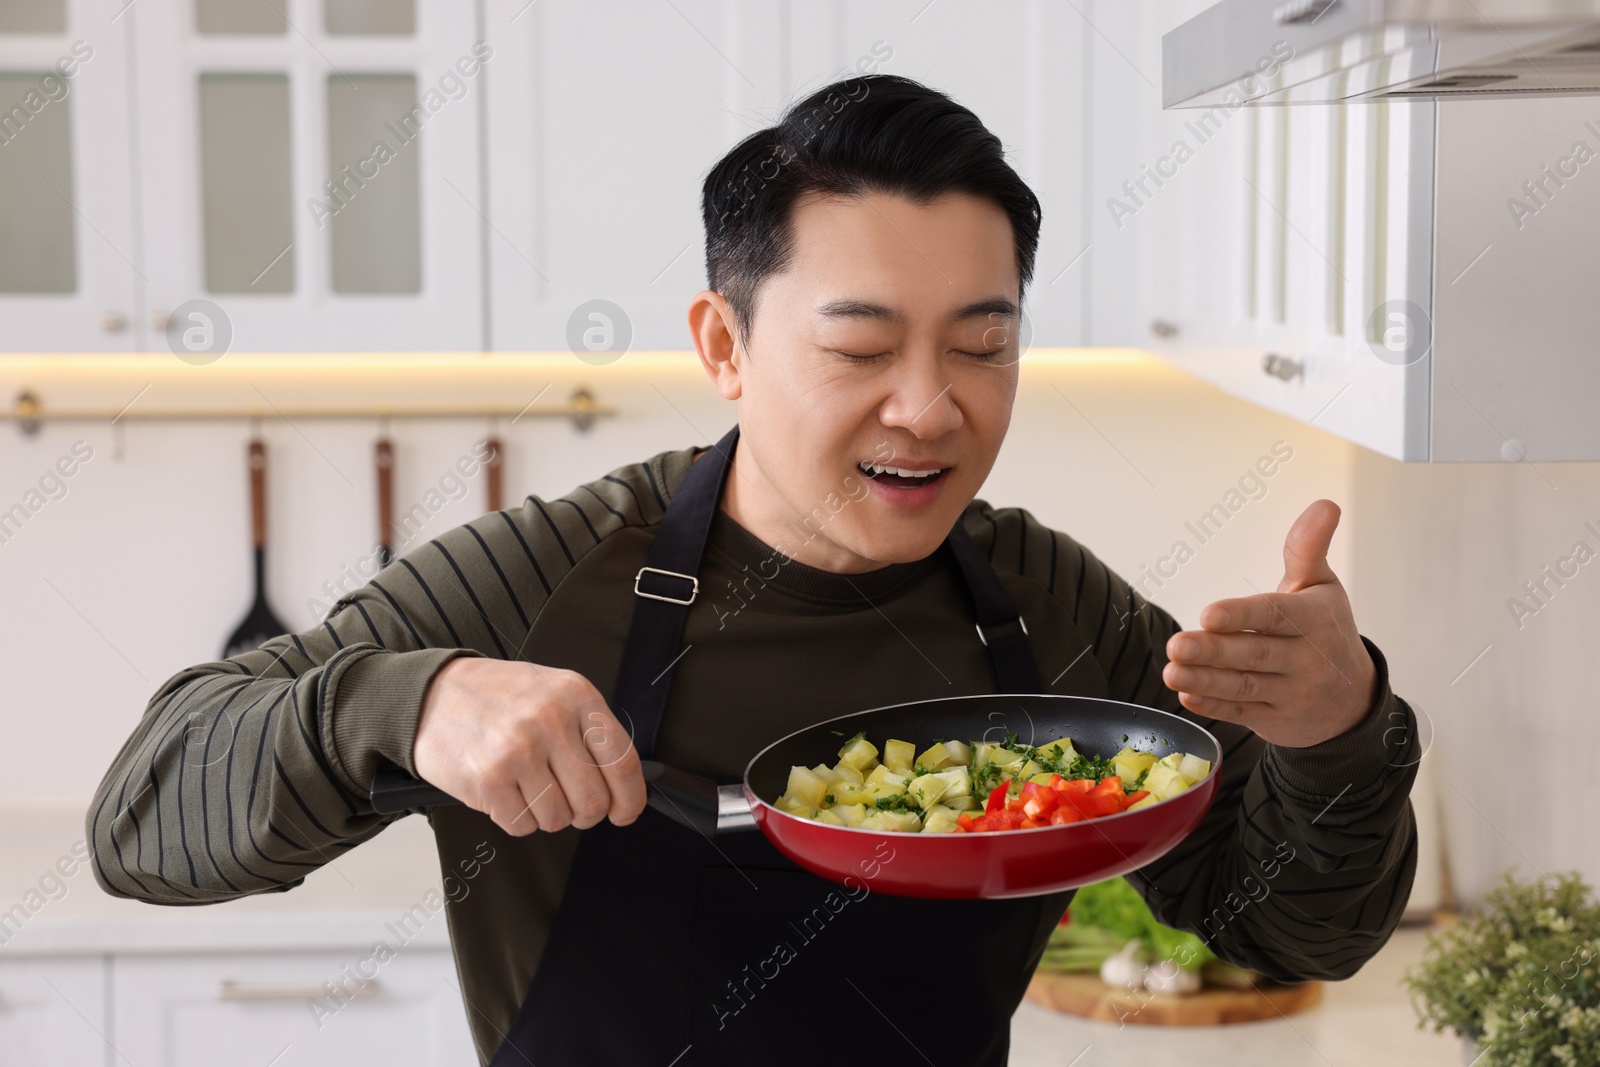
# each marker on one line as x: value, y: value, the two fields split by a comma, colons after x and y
x: 997, y: 799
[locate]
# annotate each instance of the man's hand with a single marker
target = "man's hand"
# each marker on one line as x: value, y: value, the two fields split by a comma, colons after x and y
x: 1289, y: 665
x: 533, y: 747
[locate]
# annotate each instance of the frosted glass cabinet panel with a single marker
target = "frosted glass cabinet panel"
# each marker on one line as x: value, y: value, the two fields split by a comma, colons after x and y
x: 245, y: 183
x: 36, y: 220
x: 241, y: 16
x: 376, y: 231
x: 370, y: 16
x: 33, y: 16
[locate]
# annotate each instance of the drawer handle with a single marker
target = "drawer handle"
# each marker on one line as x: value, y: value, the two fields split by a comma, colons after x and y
x: 1282, y: 366
x: 231, y: 990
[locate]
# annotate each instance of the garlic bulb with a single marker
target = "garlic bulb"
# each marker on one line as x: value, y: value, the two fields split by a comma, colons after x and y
x: 1168, y: 977
x: 1124, y: 969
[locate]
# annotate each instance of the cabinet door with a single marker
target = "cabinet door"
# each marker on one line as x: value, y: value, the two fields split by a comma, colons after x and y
x: 595, y: 184
x: 312, y: 168
x: 194, y: 1011
x: 597, y: 191
x: 53, y: 1011
x: 71, y: 271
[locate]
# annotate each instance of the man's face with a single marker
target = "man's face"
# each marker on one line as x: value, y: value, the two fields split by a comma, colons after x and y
x: 877, y: 383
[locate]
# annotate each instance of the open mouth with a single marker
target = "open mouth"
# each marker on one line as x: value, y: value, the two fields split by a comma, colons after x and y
x: 902, y: 477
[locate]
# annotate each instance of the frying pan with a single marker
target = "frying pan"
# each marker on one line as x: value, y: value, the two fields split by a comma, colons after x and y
x: 260, y: 624
x: 1012, y: 863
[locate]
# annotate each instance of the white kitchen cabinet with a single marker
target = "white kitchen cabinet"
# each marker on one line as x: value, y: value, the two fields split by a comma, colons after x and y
x: 1363, y: 268
x: 199, y: 1010
x: 70, y: 278
x: 596, y: 186
x: 53, y: 1011
x: 317, y: 180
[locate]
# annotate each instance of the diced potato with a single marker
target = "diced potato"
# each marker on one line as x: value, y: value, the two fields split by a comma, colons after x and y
x: 926, y: 789
x: 1060, y: 750
x: 1029, y: 769
x: 904, y: 822
x: 1143, y: 802
x: 960, y: 753
x: 959, y: 779
x: 826, y: 773
x: 960, y: 804
x: 1193, y: 767
x: 1043, y: 777
x: 999, y: 755
x: 939, y: 787
x: 850, y: 814
x: 1164, y: 782
x: 859, y: 753
x: 1130, y: 764
x: 890, y: 785
x: 940, y: 820
x: 796, y: 806
x: 849, y: 774
x: 935, y: 757
x: 882, y: 773
x: 805, y: 785
x: 1173, y: 760
x: 898, y: 756
x: 827, y: 816
x: 845, y: 794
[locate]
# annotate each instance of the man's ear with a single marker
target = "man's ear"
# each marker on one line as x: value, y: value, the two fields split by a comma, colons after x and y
x: 711, y: 325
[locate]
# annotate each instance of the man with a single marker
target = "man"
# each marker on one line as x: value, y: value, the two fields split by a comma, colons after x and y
x: 867, y: 259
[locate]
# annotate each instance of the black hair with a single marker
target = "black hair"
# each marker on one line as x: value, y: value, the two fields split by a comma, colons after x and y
x: 873, y: 133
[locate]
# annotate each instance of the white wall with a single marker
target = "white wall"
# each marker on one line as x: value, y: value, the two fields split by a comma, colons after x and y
x: 143, y: 567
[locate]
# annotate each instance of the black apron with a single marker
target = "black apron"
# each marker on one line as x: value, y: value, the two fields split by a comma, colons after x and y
x: 672, y: 949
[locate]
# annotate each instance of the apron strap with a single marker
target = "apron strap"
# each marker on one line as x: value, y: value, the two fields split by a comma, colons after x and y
x: 1000, y: 626
x: 665, y: 587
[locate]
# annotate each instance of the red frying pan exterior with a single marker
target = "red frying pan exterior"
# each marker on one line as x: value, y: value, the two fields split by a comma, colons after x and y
x: 1011, y: 863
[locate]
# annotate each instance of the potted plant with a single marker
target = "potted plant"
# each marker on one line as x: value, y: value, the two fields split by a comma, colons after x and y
x: 1519, y: 979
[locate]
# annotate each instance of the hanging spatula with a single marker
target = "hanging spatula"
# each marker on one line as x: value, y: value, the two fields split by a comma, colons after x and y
x: 260, y: 624
x: 383, y: 455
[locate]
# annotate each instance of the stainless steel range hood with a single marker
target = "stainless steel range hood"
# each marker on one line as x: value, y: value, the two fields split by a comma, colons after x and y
x: 1269, y: 52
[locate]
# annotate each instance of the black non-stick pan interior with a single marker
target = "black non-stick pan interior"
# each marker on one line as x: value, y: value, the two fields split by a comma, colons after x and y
x: 1097, y: 728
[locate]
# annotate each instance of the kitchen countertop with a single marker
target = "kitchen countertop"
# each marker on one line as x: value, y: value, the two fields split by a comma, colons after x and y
x: 344, y: 904
x: 1365, y: 1021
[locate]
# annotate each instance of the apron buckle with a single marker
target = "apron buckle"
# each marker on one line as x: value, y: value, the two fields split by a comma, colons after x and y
x: 979, y: 627
x: 694, y: 586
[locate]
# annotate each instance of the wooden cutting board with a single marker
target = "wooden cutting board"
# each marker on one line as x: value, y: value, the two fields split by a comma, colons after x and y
x: 1088, y: 996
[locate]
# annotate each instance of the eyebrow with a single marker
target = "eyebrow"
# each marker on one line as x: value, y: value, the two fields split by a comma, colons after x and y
x: 865, y: 309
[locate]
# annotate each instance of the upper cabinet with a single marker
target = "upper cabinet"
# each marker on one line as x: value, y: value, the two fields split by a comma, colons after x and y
x: 70, y: 273
x: 595, y: 185
x: 249, y: 175
x: 1375, y: 269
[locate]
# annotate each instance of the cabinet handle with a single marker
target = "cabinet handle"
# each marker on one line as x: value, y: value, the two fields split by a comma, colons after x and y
x: 1282, y: 366
x: 1163, y: 329
x: 231, y: 990
x: 1297, y: 11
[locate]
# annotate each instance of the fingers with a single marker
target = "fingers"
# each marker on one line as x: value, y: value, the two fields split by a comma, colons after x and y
x: 612, y: 750
x: 1263, y: 653
x: 1305, y: 549
x: 1244, y: 687
x: 544, y: 802
x: 1267, y: 613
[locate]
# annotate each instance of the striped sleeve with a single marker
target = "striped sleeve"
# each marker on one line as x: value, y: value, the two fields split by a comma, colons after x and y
x: 245, y: 774
x: 1302, y: 867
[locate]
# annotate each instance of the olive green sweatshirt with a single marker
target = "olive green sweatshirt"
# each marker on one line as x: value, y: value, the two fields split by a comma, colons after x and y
x: 248, y: 773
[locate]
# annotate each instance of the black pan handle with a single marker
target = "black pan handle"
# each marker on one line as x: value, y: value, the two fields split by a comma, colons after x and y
x: 690, y: 800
